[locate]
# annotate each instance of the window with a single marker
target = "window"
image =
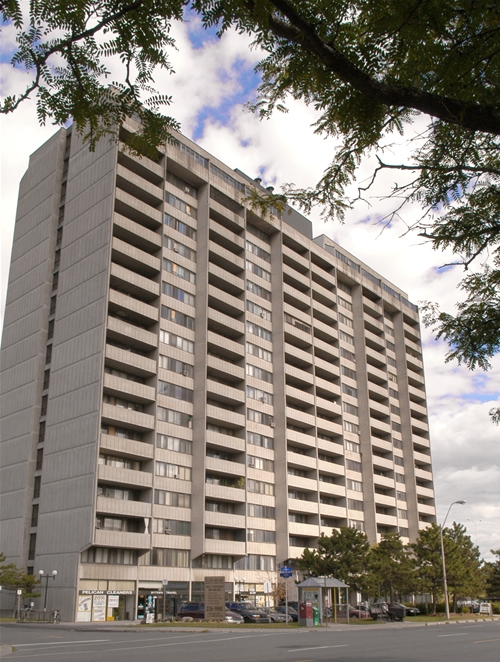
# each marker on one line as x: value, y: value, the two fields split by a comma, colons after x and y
x: 356, y: 524
x: 352, y: 446
x: 259, y: 373
x: 401, y: 496
x: 117, y: 493
x: 116, y: 524
x: 259, y: 487
x: 354, y: 485
x: 390, y: 345
x: 123, y: 433
x: 326, y: 458
x: 179, y: 248
x: 175, y: 417
x: 177, y: 317
x: 176, y: 499
x: 111, y: 556
x: 173, y: 471
x: 258, y: 271
x: 340, y: 284
x: 402, y: 514
x: 298, y: 518
x: 191, y: 153
x: 259, y: 331
x: 344, y: 303
x: 178, y: 294
x: 219, y: 507
x: 346, y: 354
x: 260, y: 463
x: 350, y: 409
x: 346, y: 337
x: 120, y: 462
x: 34, y: 515
x: 220, y: 430
x: 351, y: 427
x: 399, y: 478
x: 396, y: 426
x: 260, y: 440
x: 347, y: 321
x: 179, y: 271
x: 170, y: 558
x: 392, y: 378
x: 398, y: 460
x: 172, y: 527
x: 258, y: 290
x: 393, y: 394
x: 392, y: 362
x: 123, y: 404
x: 388, y: 329
x: 349, y: 390
x: 347, y: 372
x: 258, y: 394
x: 354, y: 504
x: 297, y: 494
x: 256, y: 562
x: 297, y: 323
x: 353, y: 466
x: 36, y: 487
x: 395, y: 410
x: 293, y: 471
x: 259, y: 417
x: 175, y: 391
x: 123, y: 375
x: 258, y: 310
x: 227, y: 178
x: 174, y: 444
x: 251, y: 229
x: 176, y: 366
x: 43, y: 409
x: 175, y: 341
x: 180, y: 205
x: 265, y: 512
x: 182, y: 184
x: 259, y: 352
x: 225, y: 481
x: 218, y: 561
x: 181, y: 227
x: 260, y: 535
x: 258, y: 251
x: 404, y: 532
x: 39, y: 459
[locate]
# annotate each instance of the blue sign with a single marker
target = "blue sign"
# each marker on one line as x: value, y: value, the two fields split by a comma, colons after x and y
x: 285, y: 571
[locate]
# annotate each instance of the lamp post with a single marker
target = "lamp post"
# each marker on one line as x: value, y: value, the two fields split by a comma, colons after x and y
x: 475, y: 526
x: 446, y: 602
x: 47, y: 577
x: 240, y: 585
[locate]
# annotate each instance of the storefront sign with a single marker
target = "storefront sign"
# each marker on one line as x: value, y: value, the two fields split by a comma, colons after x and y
x: 108, y: 592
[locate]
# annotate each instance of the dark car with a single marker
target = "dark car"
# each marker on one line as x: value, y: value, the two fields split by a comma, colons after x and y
x: 275, y: 616
x: 281, y: 609
x: 410, y: 611
x: 196, y: 611
x: 249, y: 612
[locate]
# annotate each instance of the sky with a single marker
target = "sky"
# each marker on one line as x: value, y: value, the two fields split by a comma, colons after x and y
x: 213, y: 80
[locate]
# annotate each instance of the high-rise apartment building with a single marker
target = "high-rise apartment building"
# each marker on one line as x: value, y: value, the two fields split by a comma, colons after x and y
x: 191, y: 387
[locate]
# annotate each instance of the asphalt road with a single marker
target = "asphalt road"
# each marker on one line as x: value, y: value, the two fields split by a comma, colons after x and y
x: 378, y: 643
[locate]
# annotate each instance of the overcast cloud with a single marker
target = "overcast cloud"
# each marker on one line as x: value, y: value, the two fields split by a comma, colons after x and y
x: 213, y: 79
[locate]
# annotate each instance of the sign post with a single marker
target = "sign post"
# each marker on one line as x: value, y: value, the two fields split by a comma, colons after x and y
x: 164, y: 584
x: 286, y: 572
x: 215, y: 594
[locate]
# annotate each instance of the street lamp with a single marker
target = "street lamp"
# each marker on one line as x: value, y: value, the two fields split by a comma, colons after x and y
x: 475, y: 526
x: 240, y: 586
x: 446, y: 602
x: 47, y: 577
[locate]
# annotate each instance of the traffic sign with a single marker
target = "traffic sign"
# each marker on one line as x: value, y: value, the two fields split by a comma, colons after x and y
x: 285, y: 572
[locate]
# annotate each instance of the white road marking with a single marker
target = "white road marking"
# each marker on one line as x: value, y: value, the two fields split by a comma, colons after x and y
x: 455, y: 634
x: 63, y: 643
x: 314, y: 648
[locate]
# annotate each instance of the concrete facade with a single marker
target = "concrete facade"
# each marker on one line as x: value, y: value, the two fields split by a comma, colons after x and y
x: 190, y: 388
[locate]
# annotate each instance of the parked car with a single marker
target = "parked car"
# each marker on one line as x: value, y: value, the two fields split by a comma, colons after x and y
x: 275, y: 616
x: 354, y: 612
x: 291, y: 603
x: 196, y: 611
x: 411, y: 611
x: 249, y: 612
x: 292, y: 613
x: 392, y: 612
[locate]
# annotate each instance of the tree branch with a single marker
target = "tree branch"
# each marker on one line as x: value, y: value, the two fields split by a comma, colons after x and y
x: 476, y: 117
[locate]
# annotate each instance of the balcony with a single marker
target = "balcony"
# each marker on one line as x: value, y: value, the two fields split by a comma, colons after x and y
x: 298, y: 376
x: 296, y: 298
x: 384, y: 500
x: 225, y: 258
x: 326, y: 366
x: 224, y: 547
x: 226, y: 520
x: 224, y: 324
x: 135, y: 234
x: 226, y: 417
x: 323, y: 294
x: 331, y: 489
x: 297, y: 505
x: 297, y: 529
x: 296, y: 261
x: 231, y: 350
x: 138, y: 211
x: 122, y: 539
x: 297, y: 337
x: 371, y: 308
x: 134, y: 258
x: 383, y: 481
x: 225, y: 216
x: 225, y: 280
x: 302, y: 484
x: 222, y: 236
x: 331, y: 446
x: 386, y: 520
x: 380, y: 426
x: 122, y: 507
x: 329, y: 407
x: 327, y: 351
x: 234, y: 469
x: 224, y: 369
x: 299, y: 460
x: 224, y: 302
x: 382, y: 463
x: 425, y: 492
x: 379, y: 411
x: 414, y: 378
x: 332, y: 511
x: 142, y: 165
x: 331, y: 468
x: 123, y: 359
x: 135, y: 420
x: 129, y: 334
x: 377, y: 393
x: 326, y: 314
x: 326, y: 332
x: 377, y: 375
x: 131, y: 282
x: 133, y: 309
x: 299, y: 396
x: 222, y: 493
x: 128, y: 477
x: 225, y: 441
x: 332, y: 385
x: 300, y: 418
x: 128, y: 389
x: 297, y: 357
x: 129, y: 448
x: 329, y: 427
x: 301, y: 438
x: 140, y: 188
x: 422, y: 474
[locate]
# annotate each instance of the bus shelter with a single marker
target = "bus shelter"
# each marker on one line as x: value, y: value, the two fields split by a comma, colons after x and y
x: 323, y: 592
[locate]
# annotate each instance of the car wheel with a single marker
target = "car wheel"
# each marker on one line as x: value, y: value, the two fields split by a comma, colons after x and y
x: 354, y: 616
x: 247, y: 620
